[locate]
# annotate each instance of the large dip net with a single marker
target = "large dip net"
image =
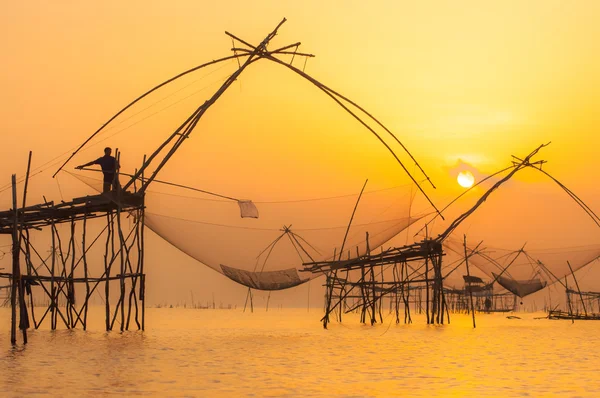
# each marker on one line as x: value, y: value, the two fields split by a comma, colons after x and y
x: 269, y: 179
x: 529, y: 234
x: 524, y: 272
x: 267, y: 252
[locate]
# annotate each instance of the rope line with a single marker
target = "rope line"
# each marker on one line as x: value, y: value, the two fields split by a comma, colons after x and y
x: 271, y: 229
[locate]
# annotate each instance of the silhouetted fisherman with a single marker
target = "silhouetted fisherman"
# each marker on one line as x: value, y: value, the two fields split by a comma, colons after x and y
x: 109, y: 166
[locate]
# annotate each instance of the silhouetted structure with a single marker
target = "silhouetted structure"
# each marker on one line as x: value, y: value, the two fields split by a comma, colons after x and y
x: 417, y: 267
x: 109, y: 165
x: 66, y: 226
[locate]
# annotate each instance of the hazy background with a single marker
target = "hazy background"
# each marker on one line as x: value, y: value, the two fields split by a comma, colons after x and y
x: 464, y: 87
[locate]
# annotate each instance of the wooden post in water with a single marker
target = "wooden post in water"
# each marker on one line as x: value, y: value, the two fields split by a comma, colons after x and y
x: 17, y: 288
x: 247, y: 298
x: 427, y: 289
x: 15, y: 268
x: 24, y: 316
x: 85, y: 271
x: 70, y: 284
x: 469, y: 285
x: 268, y: 298
x: 53, y: 296
x: 406, y: 284
x: 141, y: 260
x: 569, y: 302
x: 107, y: 264
x: 578, y: 289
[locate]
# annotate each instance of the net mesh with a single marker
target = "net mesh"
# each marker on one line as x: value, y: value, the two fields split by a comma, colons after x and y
x: 267, y: 252
x: 527, y: 231
x: 520, y: 288
x: 292, y: 160
x: 522, y: 271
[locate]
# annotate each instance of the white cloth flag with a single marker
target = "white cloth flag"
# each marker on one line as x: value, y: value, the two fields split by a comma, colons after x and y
x: 247, y: 209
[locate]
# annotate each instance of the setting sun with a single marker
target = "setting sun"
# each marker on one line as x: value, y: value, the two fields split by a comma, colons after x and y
x: 465, y: 179
x: 309, y: 182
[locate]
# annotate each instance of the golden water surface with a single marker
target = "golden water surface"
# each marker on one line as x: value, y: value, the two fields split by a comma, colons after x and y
x: 286, y: 352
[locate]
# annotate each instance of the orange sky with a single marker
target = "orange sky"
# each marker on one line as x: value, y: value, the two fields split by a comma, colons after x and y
x: 476, y: 82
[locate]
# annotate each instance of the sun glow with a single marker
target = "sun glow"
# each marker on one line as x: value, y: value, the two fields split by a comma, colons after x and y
x: 465, y: 179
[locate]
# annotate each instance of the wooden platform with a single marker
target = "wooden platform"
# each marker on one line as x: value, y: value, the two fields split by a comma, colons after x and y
x: 558, y: 314
x: 48, y: 213
x: 63, y: 280
x: 368, y: 286
x: 395, y: 255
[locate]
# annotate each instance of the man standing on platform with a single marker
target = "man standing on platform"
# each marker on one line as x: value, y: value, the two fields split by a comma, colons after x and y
x: 109, y: 166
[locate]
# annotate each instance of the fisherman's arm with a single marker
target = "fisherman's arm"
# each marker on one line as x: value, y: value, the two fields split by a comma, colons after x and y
x: 87, y: 164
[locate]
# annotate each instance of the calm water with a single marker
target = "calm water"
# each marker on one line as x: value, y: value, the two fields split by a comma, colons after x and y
x: 188, y: 352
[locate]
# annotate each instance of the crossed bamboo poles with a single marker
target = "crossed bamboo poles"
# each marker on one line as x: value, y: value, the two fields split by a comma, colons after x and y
x: 250, y: 54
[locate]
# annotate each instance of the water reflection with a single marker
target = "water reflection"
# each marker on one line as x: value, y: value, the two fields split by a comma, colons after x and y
x: 187, y: 352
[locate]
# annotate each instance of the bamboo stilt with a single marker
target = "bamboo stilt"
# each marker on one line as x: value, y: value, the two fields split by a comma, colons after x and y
x: 468, y: 274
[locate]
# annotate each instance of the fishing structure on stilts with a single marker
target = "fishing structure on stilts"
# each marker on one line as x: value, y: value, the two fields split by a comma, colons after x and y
x: 124, y: 212
x: 109, y: 229
x: 414, y: 274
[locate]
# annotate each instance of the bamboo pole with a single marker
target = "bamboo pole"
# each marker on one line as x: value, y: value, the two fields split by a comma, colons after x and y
x: 247, y: 299
x: 236, y: 56
x: 400, y: 278
x: 406, y: 284
x: 436, y: 291
x: 352, y: 218
x: 53, y: 301
x: 578, y: 290
x: 61, y: 283
x: 569, y: 302
x: 469, y: 275
x: 374, y: 298
x: 29, y: 274
x: 136, y: 276
x: 70, y: 284
x: 184, y: 131
x: 381, y: 296
x: 334, y: 96
x: 427, y: 290
x: 24, y: 316
x: 85, y: 272
x: 443, y: 305
x: 15, y: 267
x: 107, y: 266
x: 141, y: 213
x: 251, y: 302
x: 132, y: 296
x: 122, y: 245
x: 328, y: 296
x: 268, y: 298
